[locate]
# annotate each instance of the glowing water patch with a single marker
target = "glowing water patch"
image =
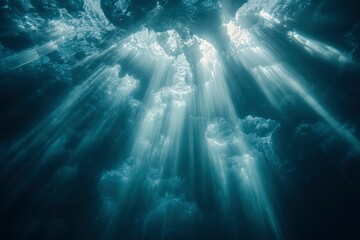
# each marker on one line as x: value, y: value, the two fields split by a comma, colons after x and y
x: 208, y: 52
x: 170, y: 41
x: 239, y: 36
x: 268, y: 17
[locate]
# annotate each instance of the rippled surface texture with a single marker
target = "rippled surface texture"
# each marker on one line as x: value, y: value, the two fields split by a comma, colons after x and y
x: 184, y: 119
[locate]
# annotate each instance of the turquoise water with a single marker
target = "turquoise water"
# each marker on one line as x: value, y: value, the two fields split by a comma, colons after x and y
x: 179, y: 119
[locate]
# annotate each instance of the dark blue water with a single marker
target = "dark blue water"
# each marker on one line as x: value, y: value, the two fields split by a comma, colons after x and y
x: 185, y: 119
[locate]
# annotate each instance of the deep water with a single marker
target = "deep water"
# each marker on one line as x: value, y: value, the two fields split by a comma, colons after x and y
x: 184, y: 119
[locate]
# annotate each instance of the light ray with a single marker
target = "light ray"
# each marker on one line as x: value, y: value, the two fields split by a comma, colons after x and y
x: 165, y: 118
x: 157, y: 136
x: 320, y: 49
x: 276, y: 81
x: 56, y: 131
x: 224, y: 141
x: 27, y: 56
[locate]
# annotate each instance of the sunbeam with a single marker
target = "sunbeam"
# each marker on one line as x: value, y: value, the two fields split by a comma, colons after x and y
x: 189, y: 119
